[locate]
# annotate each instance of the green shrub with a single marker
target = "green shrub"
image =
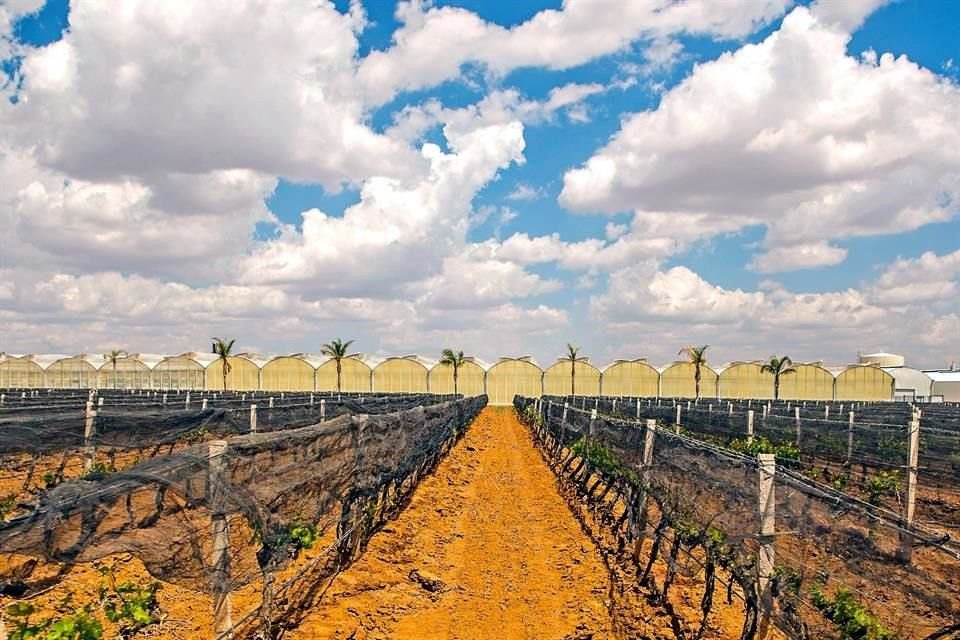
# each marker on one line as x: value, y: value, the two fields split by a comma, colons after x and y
x: 852, y: 620
x: 78, y: 625
x: 785, y: 451
x: 883, y: 484
x: 304, y: 536
x: 7, y: 506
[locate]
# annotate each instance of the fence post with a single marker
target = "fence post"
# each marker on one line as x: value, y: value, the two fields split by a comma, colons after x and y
x: 767, y: 466
x: 222, y: 607
x: 566, y: 405
x: 750, y: 425
x: 203, y: 405
x: 826, y: 412
x: 649, y: 434
x: 850, y: 438
x: 677, y: 421
x: 100, y: 402
x: 2, y: 397
x: 638, y: 408
x: 323, y: 410
x: 905, y: 553
x: 730, y: 408
x: 186, y: 401
x: 253, y: 418
x: 164, y: 401
x: 89, y: 426
x: 270, y: 405
x: 311, y: 399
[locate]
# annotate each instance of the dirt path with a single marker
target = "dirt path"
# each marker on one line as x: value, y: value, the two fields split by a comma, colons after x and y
x: 496, y: 552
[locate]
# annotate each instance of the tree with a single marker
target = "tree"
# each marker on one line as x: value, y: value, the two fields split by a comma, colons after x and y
x: 697, y: 356
x: 778, y: 367
x: 338, y: 351
x: 455, y: 360
x: 112, y: 357
x: 573, y: 358
x: 222, y: 348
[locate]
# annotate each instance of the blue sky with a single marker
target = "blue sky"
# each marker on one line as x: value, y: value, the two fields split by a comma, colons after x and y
x: 189, y: 220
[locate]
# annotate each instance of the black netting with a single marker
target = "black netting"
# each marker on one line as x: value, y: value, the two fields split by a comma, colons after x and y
x: 341, y: 478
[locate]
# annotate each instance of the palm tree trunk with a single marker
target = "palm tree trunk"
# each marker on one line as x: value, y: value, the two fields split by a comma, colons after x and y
x: 455, y: 392
x: 338, y: 375
x: 696, y: 379
x: 776, y: 387
x: 114, y: 374
x: 573, y: 376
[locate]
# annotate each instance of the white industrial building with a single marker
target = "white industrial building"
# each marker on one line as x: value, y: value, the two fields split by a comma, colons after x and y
x: 910, y: 385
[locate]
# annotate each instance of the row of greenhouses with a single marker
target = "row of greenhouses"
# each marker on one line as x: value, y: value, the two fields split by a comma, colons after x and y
x: 414, y: 374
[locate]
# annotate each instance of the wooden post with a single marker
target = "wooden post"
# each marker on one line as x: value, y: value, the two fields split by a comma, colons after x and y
x: 253, y: 418
x: 767, y: 465
x: 220, y: 562
x: 750, y: 425
x: 850, y: 438
x: 323, y: 410
x: 89, y: 430
x: 905, y: 553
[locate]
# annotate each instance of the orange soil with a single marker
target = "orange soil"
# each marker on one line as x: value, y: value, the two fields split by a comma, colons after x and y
x: 491, y: 527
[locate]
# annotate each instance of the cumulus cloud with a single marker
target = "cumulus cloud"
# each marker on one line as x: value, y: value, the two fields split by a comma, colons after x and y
x: 802, y: 256
x: 433, y: 43
x: 791, y: 133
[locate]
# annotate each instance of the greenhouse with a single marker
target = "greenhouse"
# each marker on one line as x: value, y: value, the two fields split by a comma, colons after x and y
x: 19, y: 373
x: 864, y: 382
x: 679, y: 381
x: 471, y: 378
x: 289, y: 373
x: 557, y: 379
x: 514, y: 376
x: 179, y: 372
x: 243, y: 374
x: 129, y: 372
x: 744, y: 380
x: 406, y: 374
x: 355, y: 375
x: 808, y: 382
x: 77, y: 372
x: 631, y: 378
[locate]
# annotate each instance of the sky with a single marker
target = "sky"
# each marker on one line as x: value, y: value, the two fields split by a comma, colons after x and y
x: 764, y: 176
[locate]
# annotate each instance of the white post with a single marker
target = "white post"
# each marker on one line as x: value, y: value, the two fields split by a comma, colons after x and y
x: 203, y: 405
x: 765, y: 558
x: 677, y: 421
x: 164, y: 401
x: 566, y: 406
x: 270, y: 406
x: 222, y: 607
x: 100, y: 402
x: 750, y: 425
x: 688, y: 405
x: 730, y: 408
x: 905, y: 553
x: 323, y: 410
x: 850, y: 438
x: 311, y: 399
x: 2, y: 397
x: 253, y: 418
x: 89, y: 426
x: 826, y: 412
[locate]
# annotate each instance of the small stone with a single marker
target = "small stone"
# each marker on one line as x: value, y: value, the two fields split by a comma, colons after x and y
x: 428, y: 581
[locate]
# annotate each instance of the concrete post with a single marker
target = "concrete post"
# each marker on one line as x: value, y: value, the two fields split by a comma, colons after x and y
x: 850, y: 438
x: 905, y: 552
x: 566, y: 406
x: 253, y: 418
x: 767, y: 464
x: 270, y: 405
x: 219, y: 528
x: 750, y: 425
x: 677, y: 421
x: 203, y: 405
x: 323, y: 410
x: 89, y: 430
x: 826, y: 412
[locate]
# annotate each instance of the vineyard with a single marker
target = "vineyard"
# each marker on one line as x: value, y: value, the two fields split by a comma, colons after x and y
x: 135, y: 514
x: 820, y: 527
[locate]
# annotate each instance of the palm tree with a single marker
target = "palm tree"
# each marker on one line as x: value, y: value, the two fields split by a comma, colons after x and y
x: 112, y: 357
x: 778, y: 367
x: 338, y: 351
x: 222, y: 348
x: 697, y: 357
x: 455, y: 360
x: 573, y: 358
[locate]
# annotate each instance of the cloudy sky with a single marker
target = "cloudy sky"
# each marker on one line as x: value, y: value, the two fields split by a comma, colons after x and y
x: 500, y: 177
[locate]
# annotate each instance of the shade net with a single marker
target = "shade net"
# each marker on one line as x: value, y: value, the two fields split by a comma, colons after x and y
x: 829, y: 546
x: 341, y: 478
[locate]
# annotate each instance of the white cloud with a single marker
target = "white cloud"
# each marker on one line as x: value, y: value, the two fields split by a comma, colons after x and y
x: 790, y: 133
x: 929, y: 278
x: 433, y: 43
x: 803, y: 256
x: 523, y: 191
x: 846, y: 15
